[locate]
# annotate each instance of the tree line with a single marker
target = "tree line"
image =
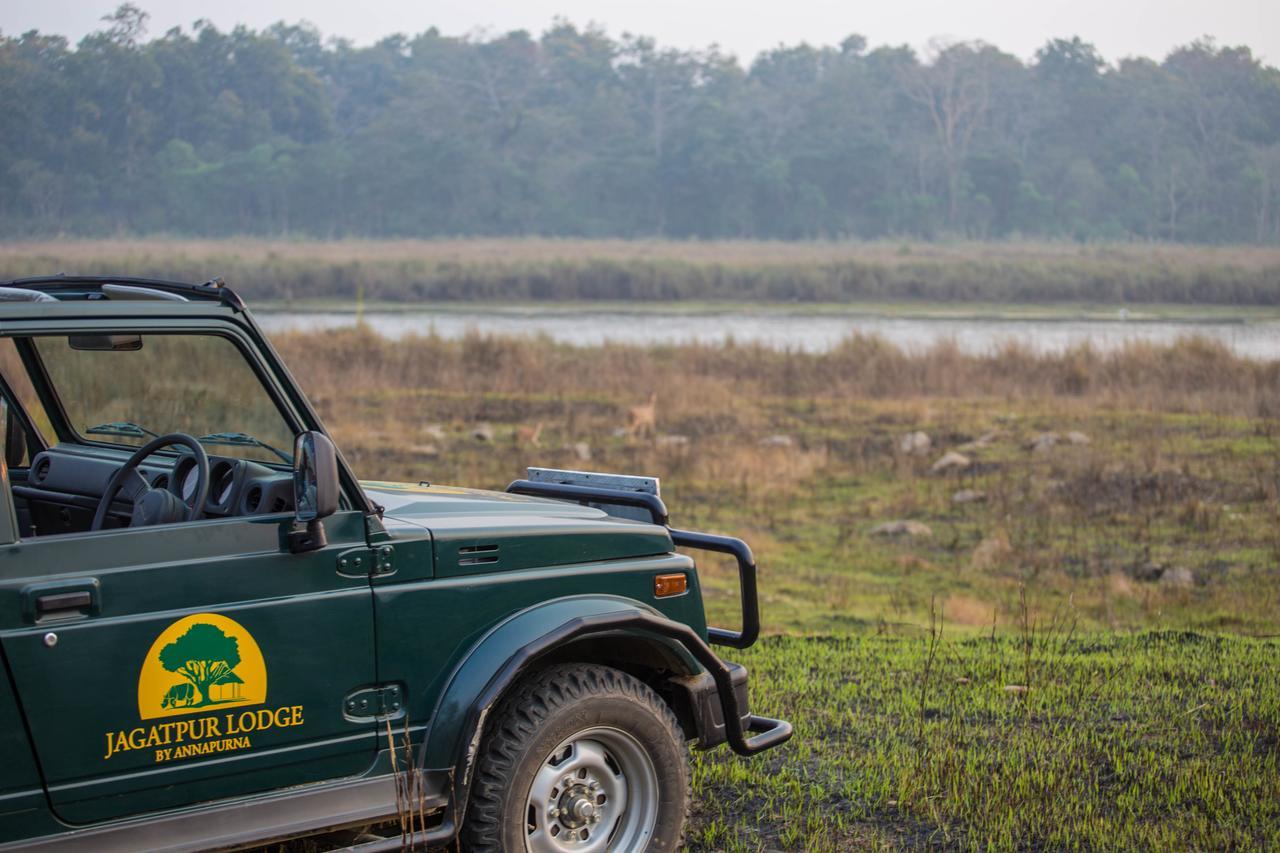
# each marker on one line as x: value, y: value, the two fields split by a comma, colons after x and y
x: 575, y: 133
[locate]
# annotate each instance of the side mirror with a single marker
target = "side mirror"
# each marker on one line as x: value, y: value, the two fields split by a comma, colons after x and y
x: 315, y: 490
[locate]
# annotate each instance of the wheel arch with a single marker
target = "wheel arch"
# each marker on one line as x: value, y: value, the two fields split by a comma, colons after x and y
x: 575, y: 629
x: 662, y: 665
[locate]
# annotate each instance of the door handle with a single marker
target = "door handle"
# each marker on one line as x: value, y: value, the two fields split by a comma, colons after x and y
x: 59, y: 601
x: 62, y: 599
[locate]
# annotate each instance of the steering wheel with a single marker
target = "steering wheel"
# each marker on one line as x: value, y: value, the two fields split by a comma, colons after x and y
x: 155, y: 506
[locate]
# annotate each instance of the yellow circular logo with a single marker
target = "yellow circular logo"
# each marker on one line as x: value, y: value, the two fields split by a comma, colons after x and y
x: 200, y: 663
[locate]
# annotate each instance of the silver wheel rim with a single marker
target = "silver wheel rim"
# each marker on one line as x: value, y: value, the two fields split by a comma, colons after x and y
x: 597, y: 791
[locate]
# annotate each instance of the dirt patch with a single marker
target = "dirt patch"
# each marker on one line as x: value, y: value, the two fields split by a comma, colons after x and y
x: 966, y: 610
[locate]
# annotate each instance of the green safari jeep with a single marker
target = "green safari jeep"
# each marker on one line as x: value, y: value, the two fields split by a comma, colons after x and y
x: 214, y: 636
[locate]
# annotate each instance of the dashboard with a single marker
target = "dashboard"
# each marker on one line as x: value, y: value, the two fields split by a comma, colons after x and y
x: 70, y: 480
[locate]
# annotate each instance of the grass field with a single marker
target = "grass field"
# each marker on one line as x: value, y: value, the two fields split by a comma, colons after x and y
x: 1029, y: 740
x: 653, y: 270
x: 1080, y: 652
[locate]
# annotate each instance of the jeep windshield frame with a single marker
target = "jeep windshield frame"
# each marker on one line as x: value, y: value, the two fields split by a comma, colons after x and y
x: 215, y: 310
x: 197, y: 383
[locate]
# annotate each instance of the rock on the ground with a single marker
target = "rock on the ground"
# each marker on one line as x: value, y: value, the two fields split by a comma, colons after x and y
x: 673, y: 440
x: 983, y: 441
x: 904, y: 528
x: 428, y: 450
x: 951, y: 461
x: 968, y: 496
x: 777, y: 441
x: 1044, y: 442
x: 1148, y: 572
x: 482, y: 432
x: 435, y: 432
x: 915, y: 444
x: 582, y: 451
x: 1178, y: 576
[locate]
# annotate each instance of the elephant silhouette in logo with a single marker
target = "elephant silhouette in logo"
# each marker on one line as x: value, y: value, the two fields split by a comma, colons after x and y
x: 179, y: 696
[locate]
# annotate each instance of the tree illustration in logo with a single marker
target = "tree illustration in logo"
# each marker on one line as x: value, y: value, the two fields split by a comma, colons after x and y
x: 204, y: 656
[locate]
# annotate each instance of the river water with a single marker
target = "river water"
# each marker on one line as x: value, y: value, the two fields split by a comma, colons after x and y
x: 786, y: 328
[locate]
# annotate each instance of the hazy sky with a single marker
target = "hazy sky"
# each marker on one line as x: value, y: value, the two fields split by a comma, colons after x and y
x: 1118, y: 27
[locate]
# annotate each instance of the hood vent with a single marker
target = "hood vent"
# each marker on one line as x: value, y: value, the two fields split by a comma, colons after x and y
x: 475, y: 555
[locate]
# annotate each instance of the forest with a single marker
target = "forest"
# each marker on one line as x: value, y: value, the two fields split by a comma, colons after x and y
x: 577, y: 133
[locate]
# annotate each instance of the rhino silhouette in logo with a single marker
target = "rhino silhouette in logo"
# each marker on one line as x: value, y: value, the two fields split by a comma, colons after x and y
x: 179, y: 696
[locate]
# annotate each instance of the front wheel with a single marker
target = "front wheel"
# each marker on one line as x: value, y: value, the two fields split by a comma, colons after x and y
x: 580, y: 758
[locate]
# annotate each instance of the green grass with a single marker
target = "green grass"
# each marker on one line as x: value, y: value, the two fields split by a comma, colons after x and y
x: 1119, y: 742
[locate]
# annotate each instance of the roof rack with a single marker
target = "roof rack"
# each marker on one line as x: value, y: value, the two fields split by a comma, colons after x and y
x: 215, y: 289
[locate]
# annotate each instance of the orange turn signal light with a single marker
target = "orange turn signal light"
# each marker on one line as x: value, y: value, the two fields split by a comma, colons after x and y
x: 665, y: 586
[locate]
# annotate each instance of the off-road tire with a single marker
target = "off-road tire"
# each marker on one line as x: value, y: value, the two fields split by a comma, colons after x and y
x: 542, y: 712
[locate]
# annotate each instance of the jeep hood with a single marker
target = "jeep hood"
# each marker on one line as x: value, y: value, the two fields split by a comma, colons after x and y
x: 475, y: 531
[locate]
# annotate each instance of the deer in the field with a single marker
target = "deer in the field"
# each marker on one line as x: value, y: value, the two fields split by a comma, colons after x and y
x: 531, y: 435
x: 642, y: 421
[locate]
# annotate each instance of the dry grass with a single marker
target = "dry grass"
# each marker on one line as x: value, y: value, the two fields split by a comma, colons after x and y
x: 799, y: 453
x: 711, y: 390
x: 651, y: 270
x: 533, y: 249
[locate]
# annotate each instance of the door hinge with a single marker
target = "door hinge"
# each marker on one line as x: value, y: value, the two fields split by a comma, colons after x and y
x: 381, y: 700
x: 360, y: 562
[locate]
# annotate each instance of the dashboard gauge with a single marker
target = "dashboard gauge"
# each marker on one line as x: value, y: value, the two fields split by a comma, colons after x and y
x: 222, y: 478
x: 189, y: 482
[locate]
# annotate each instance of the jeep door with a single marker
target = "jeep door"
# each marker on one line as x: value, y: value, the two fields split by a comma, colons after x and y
x: 162, y: 666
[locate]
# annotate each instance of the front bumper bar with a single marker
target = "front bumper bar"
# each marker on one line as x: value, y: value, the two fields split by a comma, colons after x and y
x: 741, y: 552
x: 729, y: 679
x: 657, y: 510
